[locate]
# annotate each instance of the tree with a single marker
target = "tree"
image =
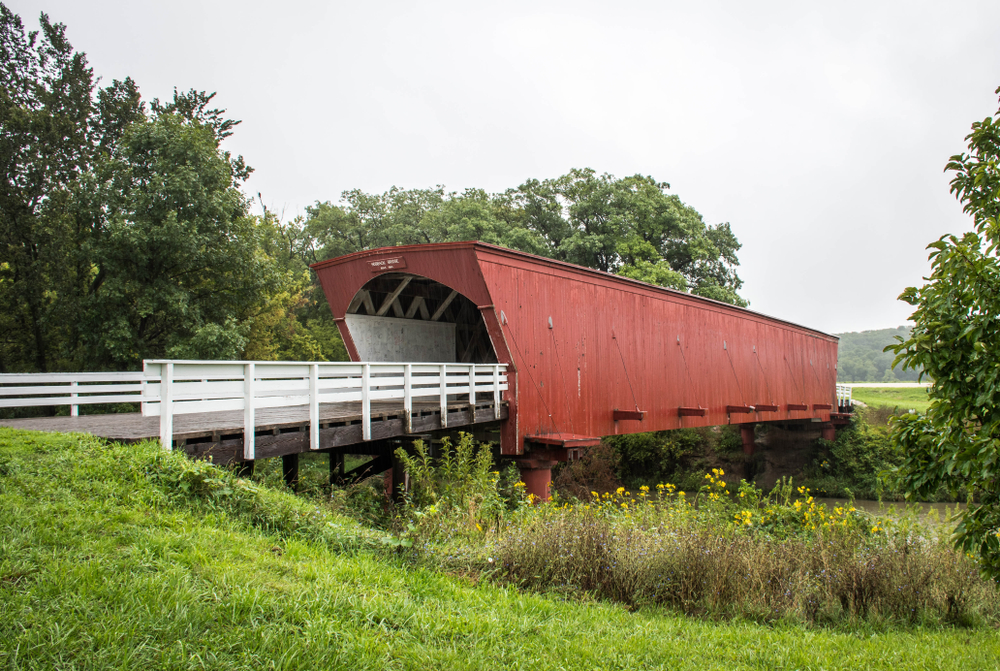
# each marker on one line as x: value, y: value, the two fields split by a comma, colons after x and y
x: 123, y: 232
x: 630, y: 226
x: 175, y: 256
x: 51, y: 132
x: 955, y: 445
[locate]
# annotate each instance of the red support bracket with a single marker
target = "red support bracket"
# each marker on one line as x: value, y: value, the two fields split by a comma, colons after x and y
x: 797, y: 406
x: 766, y: 408
x: 564, y: 440
x: 822, y: 406
x: 629, y: 414
x: 739, y: 409
x: 691, y: 412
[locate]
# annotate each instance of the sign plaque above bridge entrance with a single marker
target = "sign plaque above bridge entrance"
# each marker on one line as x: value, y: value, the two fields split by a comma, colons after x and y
x: 383, y: 265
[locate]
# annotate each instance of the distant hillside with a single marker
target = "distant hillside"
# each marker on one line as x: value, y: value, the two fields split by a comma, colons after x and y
x: 861, y: 358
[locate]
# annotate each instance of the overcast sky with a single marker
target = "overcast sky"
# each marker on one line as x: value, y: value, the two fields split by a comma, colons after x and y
x: 819, y: 131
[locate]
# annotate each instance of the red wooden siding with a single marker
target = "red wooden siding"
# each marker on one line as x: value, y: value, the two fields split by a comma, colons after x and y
x: 613, y: 344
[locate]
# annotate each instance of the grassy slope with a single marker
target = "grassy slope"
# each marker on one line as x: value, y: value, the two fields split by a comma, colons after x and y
x: 904, y: 398
x: 104, y: 564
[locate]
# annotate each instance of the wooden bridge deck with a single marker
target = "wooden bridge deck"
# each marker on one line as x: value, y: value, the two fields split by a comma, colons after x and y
x: 279, y: 431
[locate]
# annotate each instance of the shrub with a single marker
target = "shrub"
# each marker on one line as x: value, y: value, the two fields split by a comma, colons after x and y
x: 595, y: 471
x: 679, y: 456
x: 460, y: 485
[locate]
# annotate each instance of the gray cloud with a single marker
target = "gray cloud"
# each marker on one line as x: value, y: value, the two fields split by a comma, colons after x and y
x: 819, y: 131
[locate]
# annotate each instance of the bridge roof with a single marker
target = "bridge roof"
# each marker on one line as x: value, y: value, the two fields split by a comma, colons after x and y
x: 446, y: 253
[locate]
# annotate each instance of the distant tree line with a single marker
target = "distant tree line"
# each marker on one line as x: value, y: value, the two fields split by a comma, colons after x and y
x: 861, y: 359
x: 125, y: 233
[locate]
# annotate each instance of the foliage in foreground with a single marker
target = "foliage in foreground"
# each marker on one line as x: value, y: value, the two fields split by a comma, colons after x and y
x: 779, y: 556
x: 103, y: 567
x: 764, y: 558
x: 955, y: 445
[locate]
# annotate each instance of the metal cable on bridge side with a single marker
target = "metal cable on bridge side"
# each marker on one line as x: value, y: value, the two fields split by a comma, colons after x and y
x: 770, y: 399
x: 527, y: 369
x: 627, y: 378
x: 687, y: 370
x: 562, y: 375
x: 733, y: 366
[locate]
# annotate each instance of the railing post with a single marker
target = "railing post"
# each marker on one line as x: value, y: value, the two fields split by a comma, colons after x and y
x: 408, y: 398
x: 314, y: 406
x: 496, y: 391
x: 74, y: 409
x: 166, y: 406
x: 142, y: 390
x: 249, y: 420
x: 366, y: 403
x: 444, y: 395
x: 472, y: 389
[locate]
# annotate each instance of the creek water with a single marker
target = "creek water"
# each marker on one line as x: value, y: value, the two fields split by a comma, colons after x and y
x: 931, y: 514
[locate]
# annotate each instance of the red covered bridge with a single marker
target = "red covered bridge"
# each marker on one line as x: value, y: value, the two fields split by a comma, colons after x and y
x: 588, y: 353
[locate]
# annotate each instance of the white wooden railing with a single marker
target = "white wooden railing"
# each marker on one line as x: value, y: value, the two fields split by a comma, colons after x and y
x: 21, y: 390
x: 168, y: 388
x: 843, y: 395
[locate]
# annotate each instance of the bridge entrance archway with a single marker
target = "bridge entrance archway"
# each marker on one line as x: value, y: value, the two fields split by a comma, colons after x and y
x: 407, y: 317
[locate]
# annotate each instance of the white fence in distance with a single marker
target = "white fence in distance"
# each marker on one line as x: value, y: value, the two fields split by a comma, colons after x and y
x: 843, y: 395
x: 166, y: 388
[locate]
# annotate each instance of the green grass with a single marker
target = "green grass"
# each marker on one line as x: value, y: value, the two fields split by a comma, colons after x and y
x: 904, y: 398
x: 126, y: 557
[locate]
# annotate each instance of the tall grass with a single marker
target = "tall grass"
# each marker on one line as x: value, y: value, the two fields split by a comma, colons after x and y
x: 783, y: 557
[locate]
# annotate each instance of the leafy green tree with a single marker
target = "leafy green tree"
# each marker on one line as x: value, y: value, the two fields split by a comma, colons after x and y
x: 123, y: 232
x: 956, y: 339
x: 52, y: 131
x: 176, y: 258
x: 630, y: 226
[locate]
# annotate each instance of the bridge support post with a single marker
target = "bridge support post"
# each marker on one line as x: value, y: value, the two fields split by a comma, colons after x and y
x: 536, y: 474
x: 290, y: 470
x: 747, y: 437
x: 245, y: 468
x: 336, y: 468
x: 828, y: 432
x: 397, y: 485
